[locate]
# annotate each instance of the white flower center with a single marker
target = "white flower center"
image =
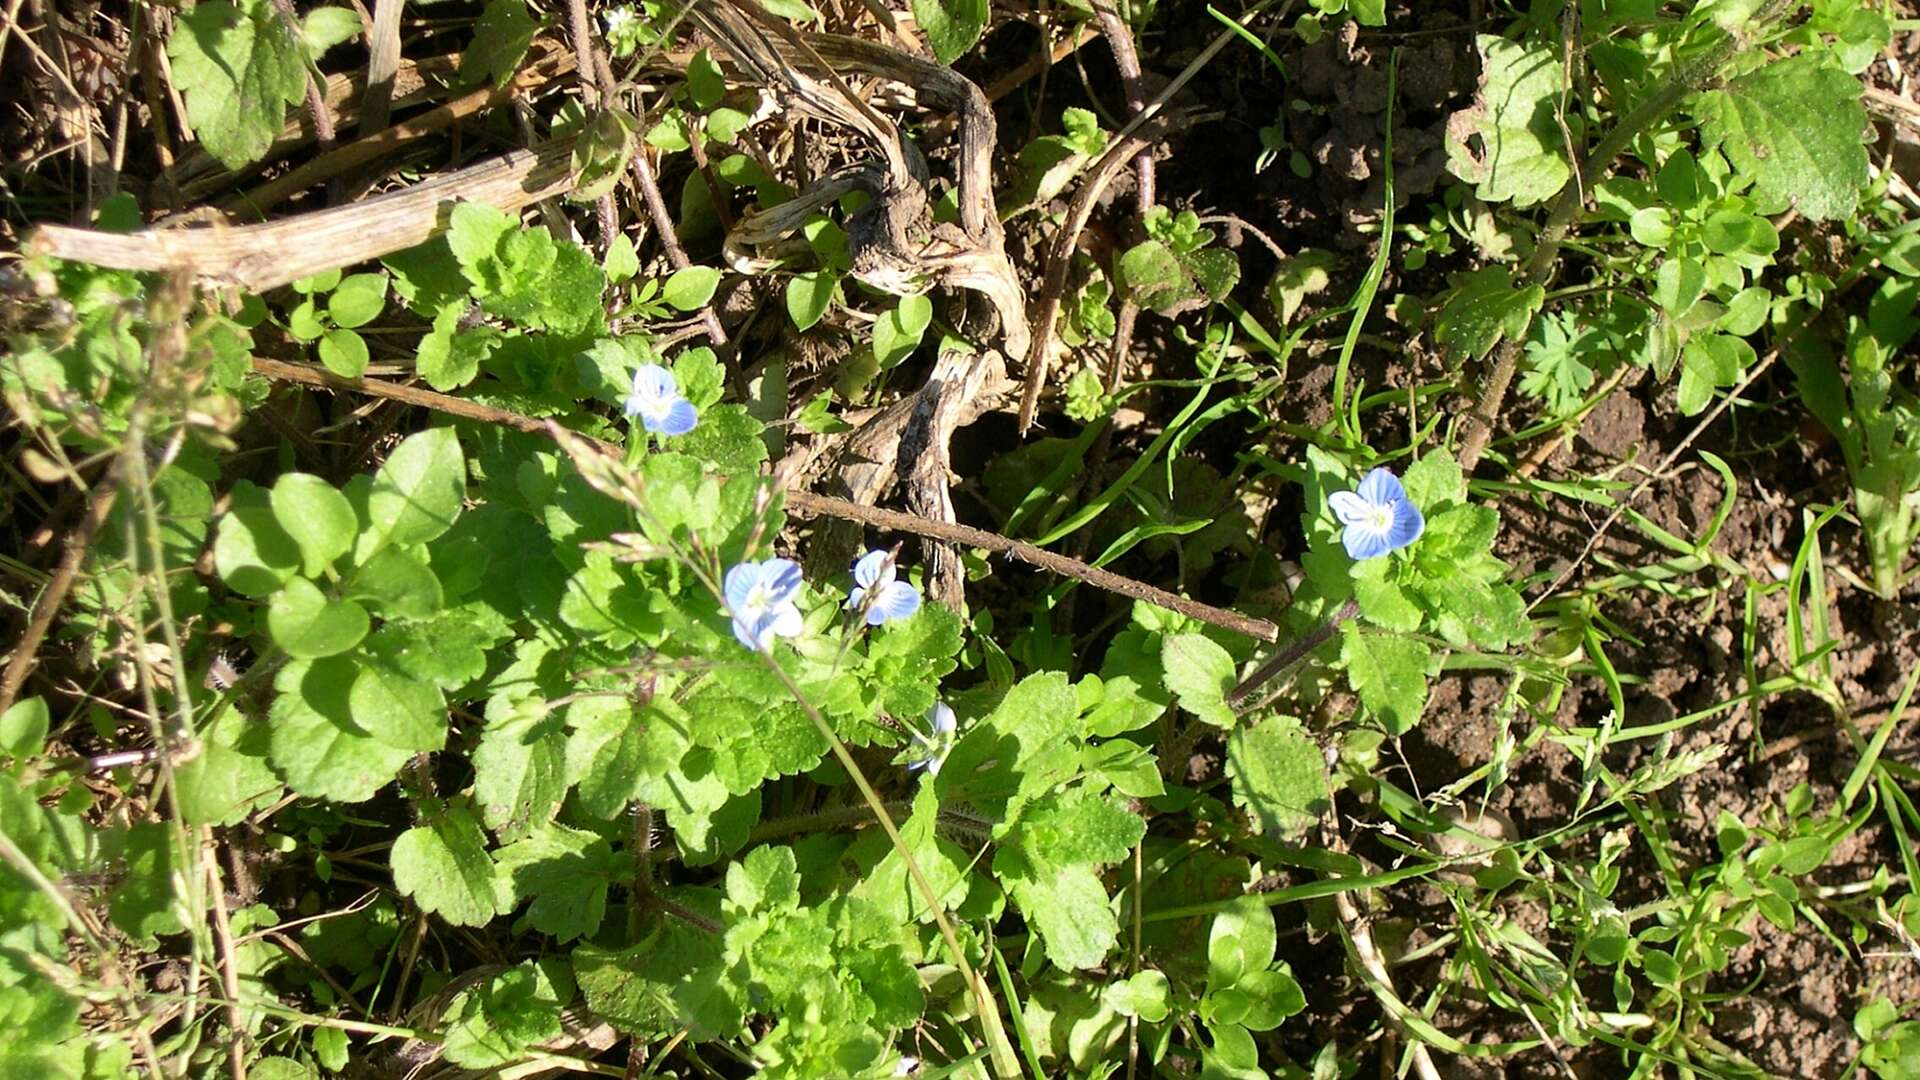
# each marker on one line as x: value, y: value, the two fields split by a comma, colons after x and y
x: 759, y: 599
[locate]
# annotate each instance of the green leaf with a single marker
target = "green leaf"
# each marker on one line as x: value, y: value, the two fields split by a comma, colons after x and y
x: 344, y: 352
x: 1240, y: 942
x: 951, y: 27
x: 519, y: 768
x: 566, y: 873
x: 1508, y: 143
x: 359, y: 300
x: 252, y: 553
x: 689, y: 288
x: 318, y: 518
x: 1145, y: 995
x: 494, y: 1024
x: 1298, y: 277
x: 1484, y: 308
x: 1382, y: 601
x: 398, y: 585
x: 1199, y: 673
x: 808, y: 297
x: 705, y: 85
x: 443, y: 865
x: 1279, y: 775
x: 396, y: 709
x: 601, y: 153
x: 1152, y: 275
x: 1707, y: 363
x: 23, y: 728
x: 1793, y: 128
x: 1272, y: 996
x: 417, y: 494
x: 1389, y: 672
x: 898, y: 332
x: 621, y: 261
x: 1070, y: 911
x: 144, y: 904
x: 304, y: 322
x: 323, y: 28
x: 676, y: 971
x: 239, y: 68
x: 307, y: 625
x: 229, y: 778
x: 500, y: 39
x: 313, y: 742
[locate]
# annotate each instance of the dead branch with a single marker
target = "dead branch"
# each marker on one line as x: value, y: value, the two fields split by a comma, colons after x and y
x: 262, y: 257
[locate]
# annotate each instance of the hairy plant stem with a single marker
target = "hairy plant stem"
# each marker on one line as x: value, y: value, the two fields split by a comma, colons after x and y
x: 1292, y: 654
x: 999, y: 1048
x: 1539, y: 270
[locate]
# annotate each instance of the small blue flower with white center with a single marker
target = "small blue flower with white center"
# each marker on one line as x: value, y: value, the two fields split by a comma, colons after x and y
x: 875, y: 588
x: 934, y: 744
x: 657, y: 401
x: 1378, y: 517
x: 760, y: 597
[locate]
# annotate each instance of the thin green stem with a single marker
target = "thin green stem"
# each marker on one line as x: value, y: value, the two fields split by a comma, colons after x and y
x: 1000, y: 1050
x: 1539, y: 270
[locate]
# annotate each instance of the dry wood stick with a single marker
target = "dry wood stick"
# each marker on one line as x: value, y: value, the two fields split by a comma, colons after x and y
x: 383, y: 63
x: 593, y: 95
x: 342, y: 159
x: 805, y: 502
x: 1150, y: 120
x: 261, y: 257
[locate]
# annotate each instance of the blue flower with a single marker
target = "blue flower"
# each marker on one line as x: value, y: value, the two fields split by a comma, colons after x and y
x: 875, y: 589
x: 657, y: 401
x: 760, y: 597
x: 934, y: 745
x: 1378, y: 517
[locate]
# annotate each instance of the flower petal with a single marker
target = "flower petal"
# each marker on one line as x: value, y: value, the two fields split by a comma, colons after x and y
x: 679, y: 418
x: 941, y: 718
x: 654, y: 381
x: 740, y: 581
x: 1408, y: 524
x: 871, y: 568
x: 895, y: 600
x: 1382, y: 487
x: 1351, y: 509
x: 743, y: 633
x: 784, y: 621
x: 856, y: 596
x: 783, y: 580
x: 1363, y: 542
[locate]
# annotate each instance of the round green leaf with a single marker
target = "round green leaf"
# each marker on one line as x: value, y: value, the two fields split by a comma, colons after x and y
x: 398, y: 585
x: 303, y: 322
x: 253, y: 554
x: 690, y: 288
x: 318, y: 518
x: 417, y: 494
x: 307, y: 625
x: 317, y: 283
x: 1272, y: 996
x: 344, y: 352
x: 359, y: 300
x: 897, y: 333
x: 808, y: 296
x: 23, y: 727
x: 314, y: 744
